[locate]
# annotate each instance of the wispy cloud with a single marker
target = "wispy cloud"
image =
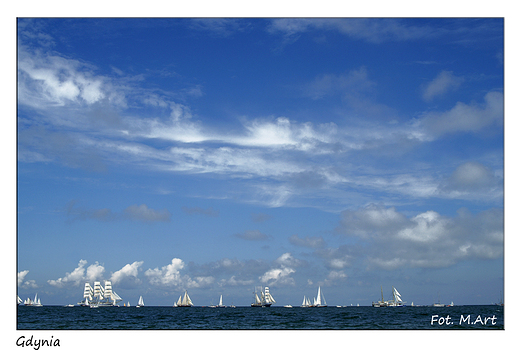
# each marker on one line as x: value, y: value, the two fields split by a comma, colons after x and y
x: 252, y: 235
x: 444, y: 82
x: 200, y: 211
x: 133, y: 213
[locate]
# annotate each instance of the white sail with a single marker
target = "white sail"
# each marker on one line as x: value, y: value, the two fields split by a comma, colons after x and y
x: 18, y: 300
x: 140, y: 302
x: 220, y: 304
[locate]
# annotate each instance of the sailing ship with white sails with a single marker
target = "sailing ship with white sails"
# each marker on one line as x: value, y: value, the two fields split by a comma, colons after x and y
x: 183, y: 301
x: 35, y: 302
x: 394, y: 302
x: 140, y: 302
x: 306, y: 302
x: 99, y: 295
x: 262, y: 299
x: 220, y: 304
x: 319, y: 301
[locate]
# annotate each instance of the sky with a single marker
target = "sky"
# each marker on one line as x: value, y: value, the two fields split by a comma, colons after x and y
x: 218, y: 154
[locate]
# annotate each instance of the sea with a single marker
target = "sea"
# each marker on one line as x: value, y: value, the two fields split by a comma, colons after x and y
x: 470, y: 317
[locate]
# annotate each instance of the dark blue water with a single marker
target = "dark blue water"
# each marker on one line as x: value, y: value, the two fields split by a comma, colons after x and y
x: 274, y: 318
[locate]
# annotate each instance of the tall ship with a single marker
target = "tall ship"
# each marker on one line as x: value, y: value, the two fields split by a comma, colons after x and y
x: 262, y: 299
x: 319, y: 301
x: 394, y: 302
x: 183, y: 301
x: 99, y: 295
x: 306, y: 302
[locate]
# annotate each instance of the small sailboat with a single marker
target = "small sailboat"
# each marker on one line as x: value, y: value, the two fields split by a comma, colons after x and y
x: 220, y: 304
x: 183, y: 302
x: 19, y: 300
x: 140, y: 302
x: 396, y: 301
x: 306, y: 302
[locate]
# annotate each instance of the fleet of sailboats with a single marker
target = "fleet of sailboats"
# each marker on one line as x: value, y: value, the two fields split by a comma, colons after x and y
x: 104, y: 296
x: 29, y: 302
x: 319, y: 301
x: 183, y: 302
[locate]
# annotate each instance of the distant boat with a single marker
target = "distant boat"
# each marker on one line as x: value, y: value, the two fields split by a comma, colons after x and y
x: 397, y: 301
x: 306, y: 302
x: 19, y: 300
x: 183, y: 302
x: 380, y: 303
x: 288, y: 306
x: 438, y: 303
x: 139, y: 303
x: 220, y: 304
x: 319, y: 301
x: 264, y: 300
x: 35, y: 302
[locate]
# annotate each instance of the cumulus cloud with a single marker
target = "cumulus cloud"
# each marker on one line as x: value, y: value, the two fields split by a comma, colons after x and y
x: 168, y: 275
x: 471, y: 176
x: 466, y: 117
x: 25, y: 284
x: 281, y: 273
x: 425, y: 240
x: 127, y: 275
x: 94, y: 272
x: 278, y: 276
x: 77, y: 276
x: 442, y: 83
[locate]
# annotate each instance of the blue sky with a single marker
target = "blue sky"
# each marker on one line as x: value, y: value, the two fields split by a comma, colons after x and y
x: 216, y: 155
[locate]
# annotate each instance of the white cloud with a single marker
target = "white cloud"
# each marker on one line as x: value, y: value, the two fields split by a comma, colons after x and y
x: 95, y: 272
x: 71, y: 278
x: 26, y: 284
x: 127, y: 274
x: 278, y: 276
x: 466, y: 118
x: 471, y: 176
x: 358, y: 28
x: 143, y: 213
x: 390, y: 240
x: 56, y: 81
x: 442, y: 83
x: 168, y: 275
